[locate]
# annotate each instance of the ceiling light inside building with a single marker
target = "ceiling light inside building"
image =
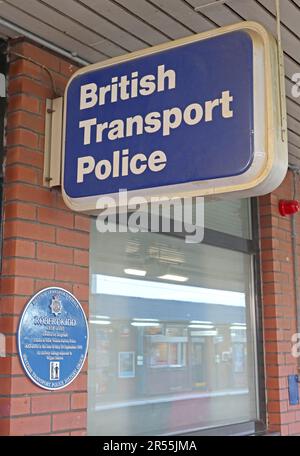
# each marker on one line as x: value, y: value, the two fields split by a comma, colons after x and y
x: 174, y: 278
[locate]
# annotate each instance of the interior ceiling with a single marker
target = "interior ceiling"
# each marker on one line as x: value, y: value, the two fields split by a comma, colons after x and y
x: 95, y: 30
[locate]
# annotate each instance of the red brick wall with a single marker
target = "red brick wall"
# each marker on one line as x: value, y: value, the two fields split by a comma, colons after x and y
x: 279, y: 308
x: 44, y: 244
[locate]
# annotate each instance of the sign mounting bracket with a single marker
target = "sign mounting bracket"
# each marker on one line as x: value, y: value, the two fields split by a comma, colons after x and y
x: 53, y: 142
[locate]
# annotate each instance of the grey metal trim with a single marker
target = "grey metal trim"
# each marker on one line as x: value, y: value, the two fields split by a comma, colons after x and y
x: 257, y: 276
x: 239, y: 429
x: 3, y: 104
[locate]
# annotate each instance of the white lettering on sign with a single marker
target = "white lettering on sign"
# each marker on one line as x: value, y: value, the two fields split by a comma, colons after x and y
x: 122, y: 164
x: 166, y: 121
x: 124, y: 88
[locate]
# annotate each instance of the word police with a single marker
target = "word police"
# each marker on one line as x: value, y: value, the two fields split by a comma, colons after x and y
x: 163, y: 122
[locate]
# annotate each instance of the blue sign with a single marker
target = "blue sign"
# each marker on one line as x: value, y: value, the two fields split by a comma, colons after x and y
x: 53, y: 338
x: 179, y: 117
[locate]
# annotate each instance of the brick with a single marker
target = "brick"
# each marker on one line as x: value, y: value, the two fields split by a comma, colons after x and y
x: 21, y: 385
x: 287, y: 268
x: 67, y: 68
x: 4, y: 427
x: 71, y: 420
x: 284, y: 347
x: 17, y: 285
x: 30, y: 425
x: 45, y: 57
x: 271, y: 347
x: 268, y: 220
x: 50, y: 252
x: 60, y: 83
x: 71, y: 273
x: 20, y: 406
x: 23, y: 174
x: 294, y: 429
x: 267, y: 255
x: 50, y: 403
x: 19, y: 210
x: 23, y: 67
x: 81, y: 291
x: 274, y: 232
x: 29, y: 268
x: 82, y: 223
x: 56, y: 217
x: 81, y: 257
x: 271, y: 323
x: 72, y: 239
x: 270, y: 300
x: 60, y: 434
x: 29, y: 86
x: 269, y: 244
x: 276, y: 406
x: 24, y: 229
x: 9, y: 325
x: 12, y: 304
x: 277, y: 395
x: 269, y: 266
x: 40, y: 284
x: 19, y: 248
x: 275, y: 277
x: 20, y: 154
x: 5, y: 383
x: 273, y: 335
x: 22, y: 137
x: 16, y: 367
x: 11, y: 344
x: 4, y: 407
x: 271, y: 288
x: 5, y: 366
x: 79, y: 433
x: 275, y: 359
x: 78, y: 401
x: 24, y: 102
x: 31, y: 194
x: 79, y: 384
x: 282, y: 418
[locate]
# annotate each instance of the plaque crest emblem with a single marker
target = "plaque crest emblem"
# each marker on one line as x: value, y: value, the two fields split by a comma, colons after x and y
x: 56, y: 306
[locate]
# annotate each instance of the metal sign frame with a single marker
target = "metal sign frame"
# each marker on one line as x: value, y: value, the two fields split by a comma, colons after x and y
x: 270, y: 162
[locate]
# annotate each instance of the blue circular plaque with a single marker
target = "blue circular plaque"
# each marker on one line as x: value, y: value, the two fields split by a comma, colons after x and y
x: 53, y: 338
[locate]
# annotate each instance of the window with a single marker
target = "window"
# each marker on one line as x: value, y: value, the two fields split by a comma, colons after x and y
x: 172, y: 335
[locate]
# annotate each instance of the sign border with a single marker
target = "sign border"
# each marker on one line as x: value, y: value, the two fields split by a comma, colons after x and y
x: 19, y: 344
x: 275, y: 145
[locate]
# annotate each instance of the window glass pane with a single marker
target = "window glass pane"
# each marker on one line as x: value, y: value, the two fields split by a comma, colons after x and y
x: 229, y: 216
x: 171, y: 343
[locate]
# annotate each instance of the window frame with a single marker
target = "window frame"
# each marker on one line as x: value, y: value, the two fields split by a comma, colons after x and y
x: 3, y: 106
x: 252, y: 248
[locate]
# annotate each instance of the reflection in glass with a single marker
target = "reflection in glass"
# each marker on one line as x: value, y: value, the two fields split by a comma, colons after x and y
x: 168, y: 356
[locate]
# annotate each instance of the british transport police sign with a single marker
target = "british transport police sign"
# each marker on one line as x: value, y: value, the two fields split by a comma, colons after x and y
x: 53, y: 338
x: 203, y: 115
